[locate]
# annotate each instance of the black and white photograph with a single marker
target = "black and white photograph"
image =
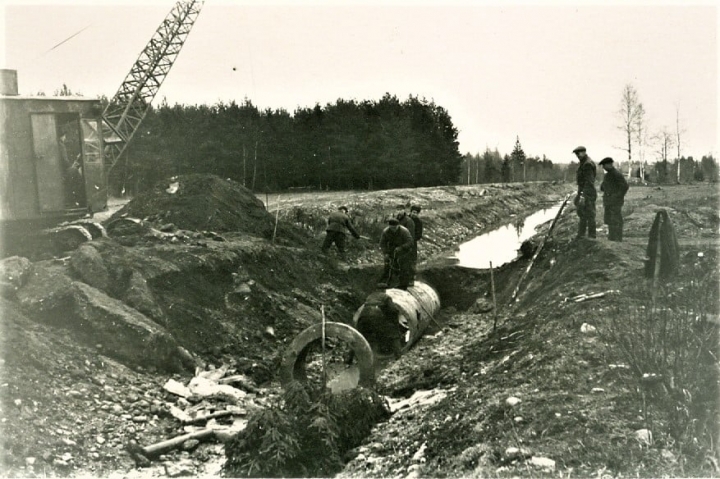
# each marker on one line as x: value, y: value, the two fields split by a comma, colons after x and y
x: 359, y: 239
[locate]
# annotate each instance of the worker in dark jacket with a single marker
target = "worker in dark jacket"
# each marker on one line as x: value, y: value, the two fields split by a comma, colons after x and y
x: 418, y: 224
x: 337, y: 222
x: 586, y: 194
x: 396, y: 244
x: 415, y: 215
x: 406, y: 221
x: 614, y: 186
x: 378, y: 323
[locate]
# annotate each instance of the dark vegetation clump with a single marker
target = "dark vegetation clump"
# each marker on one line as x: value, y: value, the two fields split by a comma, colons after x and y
x: 671, y: 348
x: 305, y: 433
x: 200, y: 202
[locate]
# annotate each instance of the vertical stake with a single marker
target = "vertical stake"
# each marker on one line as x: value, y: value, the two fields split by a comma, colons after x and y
x: 492, y: 287
x: 658, y: 256
x: 277, y: 215
x: 322, y: 313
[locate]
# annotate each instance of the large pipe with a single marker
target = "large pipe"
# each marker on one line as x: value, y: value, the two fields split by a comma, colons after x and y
x: 410, y: 311
x: 385, y: 314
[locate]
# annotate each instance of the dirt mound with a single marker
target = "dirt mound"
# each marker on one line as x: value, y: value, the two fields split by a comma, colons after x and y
x: 201, y: 202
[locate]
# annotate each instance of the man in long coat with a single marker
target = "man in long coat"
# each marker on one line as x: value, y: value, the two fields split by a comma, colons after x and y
x: 614, y: 187
x: 586, y: 194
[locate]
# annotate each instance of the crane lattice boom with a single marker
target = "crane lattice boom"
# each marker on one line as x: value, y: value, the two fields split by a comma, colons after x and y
x: 128, y: 107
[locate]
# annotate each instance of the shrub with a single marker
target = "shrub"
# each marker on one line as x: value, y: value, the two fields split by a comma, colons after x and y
x: 304, y: 433
x: 671, y: 348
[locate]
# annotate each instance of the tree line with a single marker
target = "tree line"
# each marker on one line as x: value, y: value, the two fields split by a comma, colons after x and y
x: 363, y: 145
x: 344, y: 145
x: 492, y: 167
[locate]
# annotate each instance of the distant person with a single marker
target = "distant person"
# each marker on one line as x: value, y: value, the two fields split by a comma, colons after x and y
x: 72, y: 174
x: 614, y: 187
x: 337, y: 222
x: 408, y: 222
x: 586, y: 194
x: 405, y: 220
x: 396, y: 244
x: 415, y: 215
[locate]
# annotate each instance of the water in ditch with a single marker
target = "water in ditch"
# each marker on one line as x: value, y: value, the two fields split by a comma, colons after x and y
x: 499, y: 246
x: 502, y: 245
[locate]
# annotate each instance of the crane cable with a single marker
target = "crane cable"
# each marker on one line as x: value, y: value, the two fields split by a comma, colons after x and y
x: 66, y: 40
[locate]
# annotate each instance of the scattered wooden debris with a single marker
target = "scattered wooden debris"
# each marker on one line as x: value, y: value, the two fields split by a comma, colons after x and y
x: 201, y: 390
x: 588, y: 296
x: 170, y: 444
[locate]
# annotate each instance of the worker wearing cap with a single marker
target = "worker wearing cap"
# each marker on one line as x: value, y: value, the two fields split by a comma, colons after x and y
x: 586, y: 194
x: 409, y: 223
x: 396, y: 244
x: 415, y: 216
x: 337, y: 222
x: 614, y: 186
x: 405, y: 220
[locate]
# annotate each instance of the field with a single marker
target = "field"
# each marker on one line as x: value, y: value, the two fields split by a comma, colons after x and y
x: 217, y: 275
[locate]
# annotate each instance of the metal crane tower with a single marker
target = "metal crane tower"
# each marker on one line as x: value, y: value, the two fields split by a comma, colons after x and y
x: 128, y: 107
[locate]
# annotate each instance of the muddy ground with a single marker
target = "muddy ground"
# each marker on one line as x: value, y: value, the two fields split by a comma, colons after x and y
x: 90, y: 340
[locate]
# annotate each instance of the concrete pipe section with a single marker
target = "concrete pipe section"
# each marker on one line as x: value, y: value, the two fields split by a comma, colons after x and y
x: 411, y: 310
x: 389, y: 321
x: 295, y: 360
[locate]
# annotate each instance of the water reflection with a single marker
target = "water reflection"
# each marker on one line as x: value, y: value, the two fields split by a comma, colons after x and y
x: 501, y: 245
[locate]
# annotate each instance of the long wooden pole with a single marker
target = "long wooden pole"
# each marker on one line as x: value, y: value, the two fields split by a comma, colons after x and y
x: 170, y: 444
x: 492, y: 288
x: 277, y: 216
x: 658, y: 256
x: 322, y: 341
x: 539, y: 248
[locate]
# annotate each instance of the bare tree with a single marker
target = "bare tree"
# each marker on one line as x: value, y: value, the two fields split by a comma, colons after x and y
x: 678, y: 131
x: 641, y: 137
x: 632, y: 114
x: 664, y: 139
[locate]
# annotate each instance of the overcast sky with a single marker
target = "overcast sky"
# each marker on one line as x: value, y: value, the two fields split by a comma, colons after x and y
x: 551, y: 73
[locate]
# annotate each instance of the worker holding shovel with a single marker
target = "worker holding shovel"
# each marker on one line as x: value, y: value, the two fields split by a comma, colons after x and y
x: 337, y: 222
x: 397, y: 245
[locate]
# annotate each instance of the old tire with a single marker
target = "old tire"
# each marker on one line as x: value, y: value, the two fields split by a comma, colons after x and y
x: 292, y: 363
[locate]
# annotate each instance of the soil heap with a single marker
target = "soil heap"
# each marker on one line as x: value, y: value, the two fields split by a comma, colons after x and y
x: 200, y: 202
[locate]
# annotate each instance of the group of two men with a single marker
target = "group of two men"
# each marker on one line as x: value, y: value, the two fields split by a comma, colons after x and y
x: 614, y: 186
x: 398, y: 243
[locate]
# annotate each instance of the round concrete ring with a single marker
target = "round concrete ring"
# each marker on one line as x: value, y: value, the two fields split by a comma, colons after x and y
x: 292, y: 363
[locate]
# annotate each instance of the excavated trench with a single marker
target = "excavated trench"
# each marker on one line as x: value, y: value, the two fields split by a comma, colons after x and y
x: 230, y: 298
x: 456, y: 281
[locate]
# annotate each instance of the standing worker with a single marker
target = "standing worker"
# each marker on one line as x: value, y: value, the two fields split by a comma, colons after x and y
x: 614, y: 186
x: 337, y: 222
x: 72, y: 175
x: 396, y: 244
x: 586, y: 194
x: 414, y: 215
x: 406, y: 221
